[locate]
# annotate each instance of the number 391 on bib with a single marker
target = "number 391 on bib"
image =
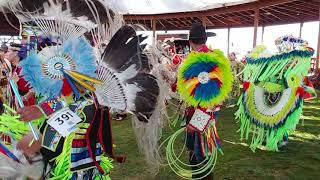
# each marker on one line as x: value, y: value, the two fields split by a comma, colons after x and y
x: 64, y: 121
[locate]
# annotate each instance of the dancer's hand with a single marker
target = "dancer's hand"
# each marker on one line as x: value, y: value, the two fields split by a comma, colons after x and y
x: 15, y: 77
x: 29, y: 95
x: 28, y: 145
x: 30, y: 113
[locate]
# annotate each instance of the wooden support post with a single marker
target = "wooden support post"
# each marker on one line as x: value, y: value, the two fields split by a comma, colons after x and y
x: 154, y: 29
x: 262, y: 34
x: 256, y: 24
x: 228, y: 47
x: 204, y: 21
x: 300, y: 30
x: 318, y: 48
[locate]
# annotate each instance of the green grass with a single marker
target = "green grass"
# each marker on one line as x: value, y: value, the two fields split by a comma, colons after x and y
x: 300, y: 159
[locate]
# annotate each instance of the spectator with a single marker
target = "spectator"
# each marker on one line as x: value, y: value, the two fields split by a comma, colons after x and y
x: 6, y: 68
x: 14, y: 56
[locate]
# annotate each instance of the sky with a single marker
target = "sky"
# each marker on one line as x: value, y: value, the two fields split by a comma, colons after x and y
x: 241, y: 39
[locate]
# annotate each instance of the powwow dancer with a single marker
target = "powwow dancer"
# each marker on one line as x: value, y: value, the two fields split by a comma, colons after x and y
x: 204, y: 81
x: 273, y: 92
x: 79, y: 88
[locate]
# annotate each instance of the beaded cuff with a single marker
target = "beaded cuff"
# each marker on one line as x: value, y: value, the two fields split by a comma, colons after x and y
x: 51, y: 106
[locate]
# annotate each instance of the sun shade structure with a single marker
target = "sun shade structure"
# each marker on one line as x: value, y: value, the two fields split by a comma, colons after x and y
x: 169, y: 6
x: 269, y: 12
x: 214, y: 14
x: 180, y: 14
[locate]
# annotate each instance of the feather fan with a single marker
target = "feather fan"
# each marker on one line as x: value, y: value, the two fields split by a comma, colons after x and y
x: 127, y: 82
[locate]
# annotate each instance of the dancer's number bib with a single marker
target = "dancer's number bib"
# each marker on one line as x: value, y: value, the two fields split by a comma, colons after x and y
x: 200, y: 120
x: 64, y: 121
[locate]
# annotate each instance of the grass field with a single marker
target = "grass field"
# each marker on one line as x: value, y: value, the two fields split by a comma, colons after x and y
x: 300, y: 159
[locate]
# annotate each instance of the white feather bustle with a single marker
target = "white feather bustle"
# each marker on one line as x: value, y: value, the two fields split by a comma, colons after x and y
x: 9, y: 3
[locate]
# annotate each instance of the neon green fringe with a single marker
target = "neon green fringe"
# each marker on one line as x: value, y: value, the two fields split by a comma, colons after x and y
x: 63, y: 161
x: 12, y: 126
x: 261, y: 135
x: 258, y: 72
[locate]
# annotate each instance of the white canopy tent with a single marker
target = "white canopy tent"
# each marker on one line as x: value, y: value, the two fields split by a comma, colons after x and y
x: 169, y: 6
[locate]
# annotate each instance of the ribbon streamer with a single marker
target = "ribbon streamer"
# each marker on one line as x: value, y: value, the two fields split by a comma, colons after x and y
x: 73, y: 86
x: 16, y: 92
x: 5, y: 151
x: 80, y: 78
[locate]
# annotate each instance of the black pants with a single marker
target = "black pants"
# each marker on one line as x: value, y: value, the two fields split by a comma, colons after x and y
x: 193, y: 161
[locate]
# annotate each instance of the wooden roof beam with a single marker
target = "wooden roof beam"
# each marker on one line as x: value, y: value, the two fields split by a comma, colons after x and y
x: 283, y: 13
x: 219, y: 20
x: 215, y: 22
x: 297, y: 10
x: 247, y: 6
x: 173, y: 24
x: 244, y: 17
x: 265, y: 18
x: 271, y: 14
x: 211, y: 12
x: 209, y: 20
x: 307, y: 8
x: 180, y: 21
x: 243, y: 13
x: 224, y: 18
x: 266, y: 15
x: 197, y: 19
x: 187, y: 20
x: 309, y: 5
x: 266, y: 3
x: 230, y: 19
x: 190, y: 20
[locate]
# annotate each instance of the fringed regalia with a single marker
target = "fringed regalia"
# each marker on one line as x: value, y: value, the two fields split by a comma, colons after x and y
x: 71, y: 75
x: 273, y: 92
x: 204, y: 81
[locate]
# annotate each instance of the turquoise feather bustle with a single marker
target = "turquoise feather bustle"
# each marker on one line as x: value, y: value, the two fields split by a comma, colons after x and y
x: 80, y: 52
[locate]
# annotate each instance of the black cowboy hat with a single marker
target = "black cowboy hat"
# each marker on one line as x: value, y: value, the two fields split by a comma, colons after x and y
x: 197, y: 31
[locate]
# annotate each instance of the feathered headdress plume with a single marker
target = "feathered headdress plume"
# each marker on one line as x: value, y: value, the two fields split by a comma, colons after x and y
x: 67, y: 19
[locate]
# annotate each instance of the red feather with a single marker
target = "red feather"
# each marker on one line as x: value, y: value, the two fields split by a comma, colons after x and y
x: 66, y: 88
x: 300, y: 91
x: 246, y: 85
